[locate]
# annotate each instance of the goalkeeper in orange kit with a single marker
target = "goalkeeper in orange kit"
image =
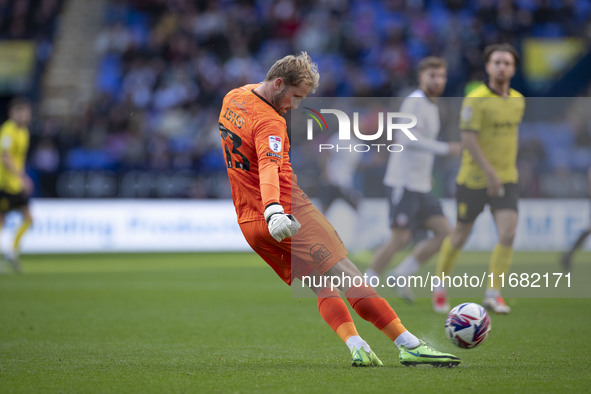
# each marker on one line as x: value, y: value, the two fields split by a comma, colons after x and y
x: 281, y: 224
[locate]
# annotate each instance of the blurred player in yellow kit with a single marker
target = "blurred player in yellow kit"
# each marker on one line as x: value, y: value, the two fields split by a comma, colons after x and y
x: 566, y: 260
x: 15, y: 185
x: 489, y: 121
x: 283, y: 227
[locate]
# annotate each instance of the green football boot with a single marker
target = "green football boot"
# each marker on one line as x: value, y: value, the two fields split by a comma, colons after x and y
x: 361, y: 358
x: 426, y: 355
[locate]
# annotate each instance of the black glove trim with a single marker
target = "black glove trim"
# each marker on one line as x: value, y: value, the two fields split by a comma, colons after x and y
x: 271, y: 215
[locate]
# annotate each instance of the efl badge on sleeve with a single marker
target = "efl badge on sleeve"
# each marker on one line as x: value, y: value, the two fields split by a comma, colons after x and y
x: 275, y: 143
x: 7, y: 142
x: 466, y: 113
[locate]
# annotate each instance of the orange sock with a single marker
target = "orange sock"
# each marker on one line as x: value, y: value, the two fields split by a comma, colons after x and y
x: 393, y: 329
x: 346, y: 330
x: 334, y: 311
x: 369, y: 306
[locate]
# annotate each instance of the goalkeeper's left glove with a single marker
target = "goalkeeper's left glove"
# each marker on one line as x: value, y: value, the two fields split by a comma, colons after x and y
x: 280, y: 225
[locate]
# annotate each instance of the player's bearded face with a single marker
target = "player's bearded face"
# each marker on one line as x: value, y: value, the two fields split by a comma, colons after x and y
x: 278, y: 99
x: 432, y: 81
x: 501, y: 66
x: 22, y: 115
x: 289, y: 97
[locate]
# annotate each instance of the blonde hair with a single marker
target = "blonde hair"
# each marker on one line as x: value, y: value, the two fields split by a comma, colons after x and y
x: 295, y: 70
x: 431, y: 62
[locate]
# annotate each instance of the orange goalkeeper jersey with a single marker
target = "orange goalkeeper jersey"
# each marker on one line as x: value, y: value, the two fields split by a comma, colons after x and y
x: 256, y: 149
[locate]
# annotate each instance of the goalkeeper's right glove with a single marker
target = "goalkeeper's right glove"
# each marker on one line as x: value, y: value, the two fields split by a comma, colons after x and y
x: 281, y: 226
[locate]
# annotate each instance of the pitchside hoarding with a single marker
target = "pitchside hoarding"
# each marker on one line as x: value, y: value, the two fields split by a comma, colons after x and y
x: 67, y: 226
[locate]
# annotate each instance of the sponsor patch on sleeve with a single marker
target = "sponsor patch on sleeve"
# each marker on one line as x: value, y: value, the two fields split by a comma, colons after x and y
x: 274, y: 155
x: 6, y: 142
x: 466, y: 113
x: 275, y: 143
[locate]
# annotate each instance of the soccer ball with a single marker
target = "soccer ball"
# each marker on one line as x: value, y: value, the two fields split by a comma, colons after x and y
x: 467, y: 325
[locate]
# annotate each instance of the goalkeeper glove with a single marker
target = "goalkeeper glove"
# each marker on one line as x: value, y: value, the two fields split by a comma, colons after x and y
x: 281, y: 226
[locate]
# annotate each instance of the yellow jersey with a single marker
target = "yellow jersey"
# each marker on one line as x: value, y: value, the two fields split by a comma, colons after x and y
x: 496, y: 121
x: 15, y: 141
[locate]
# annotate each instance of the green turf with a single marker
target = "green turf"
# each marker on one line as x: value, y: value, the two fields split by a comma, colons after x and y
x: 187, y: 323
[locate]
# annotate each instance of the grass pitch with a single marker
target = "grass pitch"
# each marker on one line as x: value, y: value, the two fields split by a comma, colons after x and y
x: 184, y: 323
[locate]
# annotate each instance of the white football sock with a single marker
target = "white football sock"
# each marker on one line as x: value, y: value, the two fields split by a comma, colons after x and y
x: 371, y: 273
x: 10, y: 254
x: 438, y: 289
x: 408, y: 340
x: 357, y: 342
x: 492, y: 293
x: 409, y: 266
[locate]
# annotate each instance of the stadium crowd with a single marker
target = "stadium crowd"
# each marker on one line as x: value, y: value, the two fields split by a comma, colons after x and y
x: 166, y: 64
x: 31, y: 20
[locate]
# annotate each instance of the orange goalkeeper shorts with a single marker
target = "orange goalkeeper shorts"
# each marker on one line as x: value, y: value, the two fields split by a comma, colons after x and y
x: 317, y: 245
